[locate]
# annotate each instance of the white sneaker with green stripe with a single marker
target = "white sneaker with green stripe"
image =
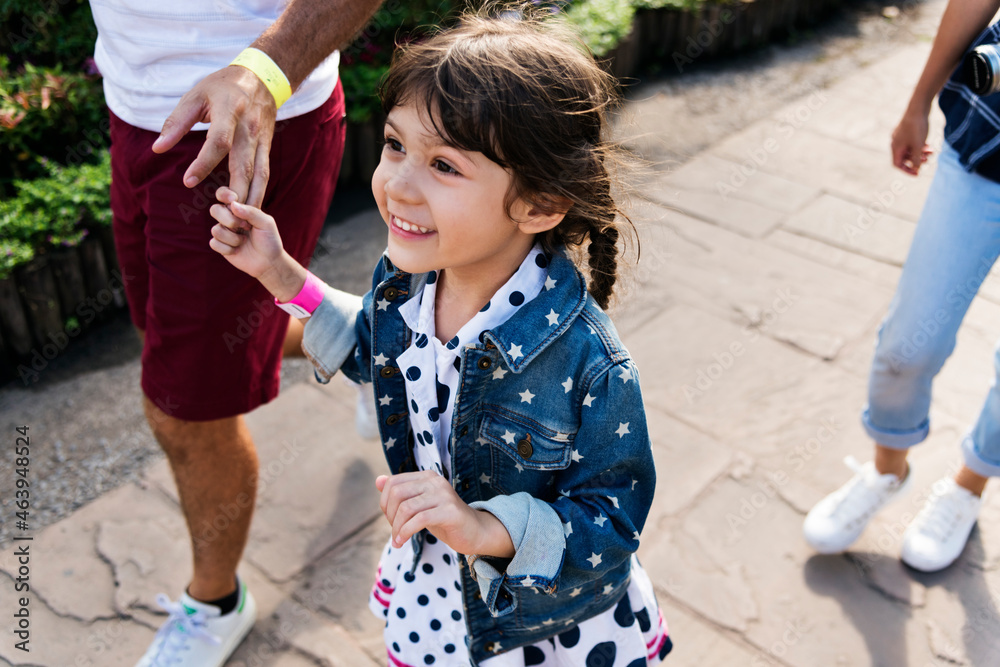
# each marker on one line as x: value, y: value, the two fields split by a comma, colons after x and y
x: 195, y: 634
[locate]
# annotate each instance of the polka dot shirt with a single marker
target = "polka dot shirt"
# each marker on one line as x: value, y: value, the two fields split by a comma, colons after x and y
x: 423, y: 609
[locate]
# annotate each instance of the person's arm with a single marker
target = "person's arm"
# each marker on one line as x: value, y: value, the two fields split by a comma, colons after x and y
x: 963, y: 20
x: 248, y: 238
x: 239, y: 106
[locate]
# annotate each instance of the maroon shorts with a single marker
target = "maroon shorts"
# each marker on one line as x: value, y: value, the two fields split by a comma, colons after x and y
x: 213, y: 334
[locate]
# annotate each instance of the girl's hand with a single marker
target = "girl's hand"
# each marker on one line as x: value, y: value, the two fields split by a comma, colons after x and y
x: 413, y: 501
x: 245, y: 235
x: 909, y: 143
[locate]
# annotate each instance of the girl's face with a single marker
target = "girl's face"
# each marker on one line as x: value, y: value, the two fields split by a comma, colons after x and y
x: 445, y: 207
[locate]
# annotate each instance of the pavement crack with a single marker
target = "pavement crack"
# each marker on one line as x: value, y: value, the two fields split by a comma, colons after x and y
x: 686, y: 237
x: 63, y: 615
x: 735, y: 636
x: 317, y: 660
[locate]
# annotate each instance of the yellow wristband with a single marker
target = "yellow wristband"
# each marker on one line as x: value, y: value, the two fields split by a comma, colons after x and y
x: 267, y: 71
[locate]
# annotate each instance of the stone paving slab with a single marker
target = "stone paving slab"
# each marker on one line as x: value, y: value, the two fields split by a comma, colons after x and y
x: 753, y: 400
x: 742, y: 198
x: 798, y: 153
x: 701, y: 643
x: 770, y: 292
x: 678, y: 486
x: 861, y: 230
x: 339, y: 584
x: 851, y: 263
x: 863, y: 110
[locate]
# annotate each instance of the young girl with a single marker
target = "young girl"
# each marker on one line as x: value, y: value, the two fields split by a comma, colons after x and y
x: 509, y: 410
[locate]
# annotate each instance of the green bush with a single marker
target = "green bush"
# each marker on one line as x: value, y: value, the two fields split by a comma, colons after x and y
x: 51, y: 101
x: 360, y: 83
x: 366, y: 60
x: 47, y: 33
x: 13, y: 254
x: 682, y: 5
x: 54, y: 211
x: 50, y: 113
x: 601, y: 24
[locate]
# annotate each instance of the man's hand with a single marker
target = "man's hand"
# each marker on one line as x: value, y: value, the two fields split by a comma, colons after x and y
x: 242, y: 112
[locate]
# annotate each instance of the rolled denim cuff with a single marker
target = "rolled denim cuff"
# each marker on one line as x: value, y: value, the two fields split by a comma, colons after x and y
x: 491, y: 581
x: 974, y: 460
x: 895, y: 439
x: 539, y: 548
x: 329, y: 337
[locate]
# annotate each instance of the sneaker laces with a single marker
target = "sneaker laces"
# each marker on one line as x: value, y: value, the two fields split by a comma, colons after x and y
x: 942, y: 513
x: 179, y: 627
x: 863, y: 495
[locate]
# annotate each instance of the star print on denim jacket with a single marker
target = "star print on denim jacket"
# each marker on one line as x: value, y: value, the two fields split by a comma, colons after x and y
x: 548, y: 434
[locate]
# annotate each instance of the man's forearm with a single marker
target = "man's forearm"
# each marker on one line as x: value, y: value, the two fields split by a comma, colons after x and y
x: 310, y: 30
x: 963, y: 20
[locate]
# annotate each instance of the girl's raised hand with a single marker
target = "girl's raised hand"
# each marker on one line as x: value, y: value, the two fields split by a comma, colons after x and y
x: 245, y: 235
x: 412, y: 501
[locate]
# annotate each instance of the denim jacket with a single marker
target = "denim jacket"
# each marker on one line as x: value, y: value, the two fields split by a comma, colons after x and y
x: 548, y: 434
x: 972, y: 123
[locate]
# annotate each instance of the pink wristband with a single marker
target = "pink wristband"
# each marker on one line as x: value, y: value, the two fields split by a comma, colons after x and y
x: 307, y: 300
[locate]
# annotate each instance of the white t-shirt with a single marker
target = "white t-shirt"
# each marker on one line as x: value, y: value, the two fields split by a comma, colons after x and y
x: 152, y: 52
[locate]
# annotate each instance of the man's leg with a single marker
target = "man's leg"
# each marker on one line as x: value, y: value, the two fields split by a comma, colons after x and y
x: 215, y: 468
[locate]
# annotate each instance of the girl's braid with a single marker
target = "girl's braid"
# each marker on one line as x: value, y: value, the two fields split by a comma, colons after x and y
x: 603, y: 252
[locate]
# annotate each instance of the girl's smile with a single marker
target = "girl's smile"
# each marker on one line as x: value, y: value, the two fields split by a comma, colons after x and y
x: 407, y: 229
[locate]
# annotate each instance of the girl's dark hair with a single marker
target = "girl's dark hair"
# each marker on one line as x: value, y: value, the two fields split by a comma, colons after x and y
x: 525, y: 93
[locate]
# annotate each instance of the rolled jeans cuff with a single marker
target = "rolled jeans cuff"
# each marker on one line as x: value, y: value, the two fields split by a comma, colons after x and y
x: 974, y: 460
x: 894, y: 439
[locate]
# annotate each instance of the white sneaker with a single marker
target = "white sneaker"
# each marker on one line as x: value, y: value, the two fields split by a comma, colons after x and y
x: 365, y: 420
x: 196, y: 635
x: 836, y: 521
x: 940, y: 530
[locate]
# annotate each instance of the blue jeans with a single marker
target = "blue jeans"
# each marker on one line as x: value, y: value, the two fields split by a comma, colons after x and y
x: 956, y: 243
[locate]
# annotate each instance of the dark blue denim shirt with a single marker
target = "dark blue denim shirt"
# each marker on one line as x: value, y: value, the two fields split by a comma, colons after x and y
x: 567, y: 470
x: 972, y: 123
